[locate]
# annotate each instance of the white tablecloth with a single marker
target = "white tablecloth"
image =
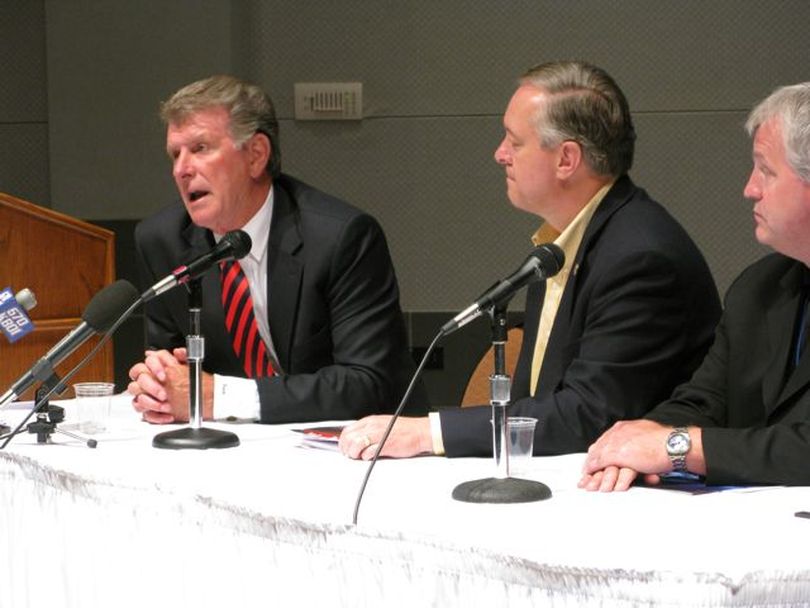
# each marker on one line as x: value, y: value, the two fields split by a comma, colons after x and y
x: 269, y: 524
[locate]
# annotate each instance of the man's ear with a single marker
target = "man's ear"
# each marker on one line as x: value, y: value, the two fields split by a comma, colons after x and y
x: 569, y: 158
x: 260, y: 151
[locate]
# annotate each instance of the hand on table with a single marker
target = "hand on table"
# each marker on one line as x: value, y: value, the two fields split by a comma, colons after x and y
x: 409, y: 437
x: 626, y: 450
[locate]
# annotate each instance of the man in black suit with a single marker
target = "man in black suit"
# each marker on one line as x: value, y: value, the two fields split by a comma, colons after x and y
x: 313, y: 309
x: 631, y: 313
x: 744, y: 417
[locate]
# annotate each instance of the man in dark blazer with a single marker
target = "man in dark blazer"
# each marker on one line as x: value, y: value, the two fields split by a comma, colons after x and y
x: 632, y: 311
x: 330, y: 321
x: 744, y: 417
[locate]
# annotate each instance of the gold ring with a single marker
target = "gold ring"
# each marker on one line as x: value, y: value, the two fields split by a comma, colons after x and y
x: 366, y: 441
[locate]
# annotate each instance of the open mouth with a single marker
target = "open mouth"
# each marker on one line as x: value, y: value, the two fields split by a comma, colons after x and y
x: 196, y: 195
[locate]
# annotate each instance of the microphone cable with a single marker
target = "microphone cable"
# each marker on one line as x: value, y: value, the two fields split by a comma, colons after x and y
x: 62, y: 382
x: 394, y: 418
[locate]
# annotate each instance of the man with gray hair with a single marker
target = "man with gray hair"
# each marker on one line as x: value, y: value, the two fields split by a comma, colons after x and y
x: 744, y: 418
x: 631, y: 313
x: 308, y: 325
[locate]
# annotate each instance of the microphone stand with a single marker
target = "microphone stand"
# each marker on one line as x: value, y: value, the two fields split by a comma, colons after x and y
x: 195, y: 436
x: 51, y: 385
x: 502, y: 488
x: 48, y: 416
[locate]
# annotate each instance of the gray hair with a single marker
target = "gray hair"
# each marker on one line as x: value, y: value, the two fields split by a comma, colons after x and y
x: 586, y: 106
x: 791, y: 105
x: 250, y: 110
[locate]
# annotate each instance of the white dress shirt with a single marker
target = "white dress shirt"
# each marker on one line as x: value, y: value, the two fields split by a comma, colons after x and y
x: 236, y: 397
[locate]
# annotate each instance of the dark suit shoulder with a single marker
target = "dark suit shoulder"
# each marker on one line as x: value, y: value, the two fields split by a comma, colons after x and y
x: 325, y: 219
x: 311, y: 201
x: 764, y: 280
x: 637, y: 222
x: 168, y: 222
x: 629, y: 227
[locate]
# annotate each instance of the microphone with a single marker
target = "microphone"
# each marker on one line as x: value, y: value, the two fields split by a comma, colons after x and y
x: 14, y: 323
x: 234, y: 245
x: 544, y: 262
x: 26, y: 298
x: 101, y: 313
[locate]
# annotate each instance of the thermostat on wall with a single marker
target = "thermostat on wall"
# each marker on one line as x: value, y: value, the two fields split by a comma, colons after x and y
x: 328, y: 100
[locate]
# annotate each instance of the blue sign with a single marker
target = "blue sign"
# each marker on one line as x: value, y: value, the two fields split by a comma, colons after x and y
x: 13, y: 321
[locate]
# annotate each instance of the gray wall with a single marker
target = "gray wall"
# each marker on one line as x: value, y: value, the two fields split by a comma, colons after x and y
x: 437, y: 77
x: 24, y: 168
x: 83, y: 78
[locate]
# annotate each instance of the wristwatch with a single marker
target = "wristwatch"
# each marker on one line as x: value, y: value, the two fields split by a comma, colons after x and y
x: 678, y: 446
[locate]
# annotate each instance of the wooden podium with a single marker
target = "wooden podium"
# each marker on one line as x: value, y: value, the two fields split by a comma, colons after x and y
x: 65, y: 262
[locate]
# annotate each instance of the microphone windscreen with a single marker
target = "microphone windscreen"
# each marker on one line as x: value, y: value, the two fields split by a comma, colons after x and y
x: 240, y: 243
x: 551, y: 258
x: 109, y: 304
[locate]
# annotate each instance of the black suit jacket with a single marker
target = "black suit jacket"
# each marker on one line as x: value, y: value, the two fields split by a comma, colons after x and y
x: 754, y: 408
x: 333, y: 306
x: 635, y: 319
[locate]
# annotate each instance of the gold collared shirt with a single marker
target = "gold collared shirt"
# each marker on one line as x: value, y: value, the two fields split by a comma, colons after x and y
x: 569, y: 241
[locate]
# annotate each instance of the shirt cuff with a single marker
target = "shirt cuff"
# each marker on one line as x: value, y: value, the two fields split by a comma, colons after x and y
x: 235, y: 398
x: 436, y: 433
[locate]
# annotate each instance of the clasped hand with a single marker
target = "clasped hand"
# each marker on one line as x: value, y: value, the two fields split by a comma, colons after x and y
x: 160, y: 387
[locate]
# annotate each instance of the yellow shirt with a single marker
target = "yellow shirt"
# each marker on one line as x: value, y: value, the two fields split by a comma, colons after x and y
x: 569, y: 241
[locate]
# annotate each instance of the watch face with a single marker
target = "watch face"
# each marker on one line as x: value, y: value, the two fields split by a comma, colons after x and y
x: 678, y: 443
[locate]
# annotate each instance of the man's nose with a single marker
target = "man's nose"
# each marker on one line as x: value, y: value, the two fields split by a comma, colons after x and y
x: 182, y: 165
x: 752, y: 190
x: 501, y: 154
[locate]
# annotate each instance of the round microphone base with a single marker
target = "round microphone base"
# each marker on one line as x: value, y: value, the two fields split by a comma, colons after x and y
x: 508, y: 490
x: 195, y: 439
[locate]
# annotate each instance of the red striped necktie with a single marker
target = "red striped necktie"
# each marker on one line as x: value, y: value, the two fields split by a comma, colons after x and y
x: 241, y: 322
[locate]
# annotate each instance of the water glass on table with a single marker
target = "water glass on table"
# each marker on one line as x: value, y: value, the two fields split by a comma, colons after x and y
x: 521, y: 443
x: 93, y: 405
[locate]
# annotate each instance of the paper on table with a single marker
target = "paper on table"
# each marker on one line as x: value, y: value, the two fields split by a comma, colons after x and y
x: 320, y: 437
x: 695, y: 485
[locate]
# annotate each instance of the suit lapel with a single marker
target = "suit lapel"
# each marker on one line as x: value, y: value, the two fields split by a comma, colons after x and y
x: 797, y: 380
x: 781, y: 326
x: 553, y: 367
x: 614, y: 200
x: 285, y: 273
x: 197, y: 242
x: 200, y: 241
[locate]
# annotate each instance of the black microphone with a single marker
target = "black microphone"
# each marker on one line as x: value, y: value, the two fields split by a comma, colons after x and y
x: 101, y: 313
x: 233, y: 246
x: 544, y: 262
